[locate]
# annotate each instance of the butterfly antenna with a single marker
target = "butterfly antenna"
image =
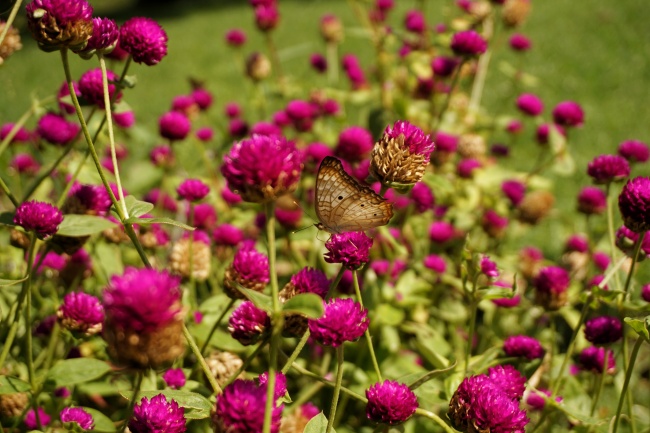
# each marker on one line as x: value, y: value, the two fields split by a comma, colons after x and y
x: 306, y: 213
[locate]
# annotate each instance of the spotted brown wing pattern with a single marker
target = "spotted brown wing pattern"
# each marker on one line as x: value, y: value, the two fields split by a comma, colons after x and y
x: 343, y: 204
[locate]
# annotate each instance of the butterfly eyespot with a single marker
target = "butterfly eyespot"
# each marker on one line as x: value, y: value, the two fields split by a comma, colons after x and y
x: 362, y: 205
x: 340, y: 197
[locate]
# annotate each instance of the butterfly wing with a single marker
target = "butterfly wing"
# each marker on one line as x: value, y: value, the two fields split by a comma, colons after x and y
x: 343, y: 204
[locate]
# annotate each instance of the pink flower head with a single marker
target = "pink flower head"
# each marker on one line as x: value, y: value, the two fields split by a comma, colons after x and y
x: 251, y: 265
x: 603, y: 330
x: 202, y: 98
x: 468, y: 43
x: 248, y: 323
x: 354, y: 144
x: 142, y: 299
x: 57, y: 24
x: 280, y: 383
x: 318, y: 62
x: 267, y: 17
x: 227, y: 235
x: 509, y: 380
x: 414, y: 21
x: 232, y: 110
x: 229, y: 196
x: 493, y: 223
x: 530, y: 104
x: 125, y: 119
x: 446, y: 142
x: 56, y: 130
x: 552, y: 279
x: 240, y: 408
x: 351, y: 249
x: 634, y: 151
x: 30, y: 419
x: 645, y: 293
x: 79, y: 416
x: 514, y: 126
x: 343, y: 320
x: 537, y: 402
x: 625, y: 240
x: 174, y: 378
x: 634, y: 204
x: 568, y: 113
x: 25, y: 163
x: 104, y: 38
x: 192, y: 190
x: 444, y: 66
x: 416, y: 140
x: 174, y: 125
x: 161, y: 199
x: 522, y: 346
x: 441, y: 232
x: 519, y: 42
x: 205, y: 216
x: 436, y: 263
x: 184, y: 104
x: 235, y: 37
x: 592, y: 200
x: 422, y: 197
x: 205, y: 134
x: 577, y: 243
x: 354, y: 72
x: 144, y: 39
x: 81, y: 312
x: 608, y: 168
x: 390, y: 402
x: 544, y: 131
x: 40, y: 217
x: 301, y: 113
x: 601, y: 260
x: 593, y: 359
x: 237, y: 128
x: 309, y: 280
x: 157, y: 415
x: 21, y: 136
x: 507, y: 302
x: 466, y: 167
x: 262, y: 168
x: 62, y: 94
x: 266, y: 128
x: 488, y: 267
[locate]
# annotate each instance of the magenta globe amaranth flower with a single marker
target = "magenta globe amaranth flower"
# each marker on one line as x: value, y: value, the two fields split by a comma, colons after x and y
x: 262, y: 168
x: 354, y: 72
x: 436, y: 263
x: 468, y: 43
x: 390, y: 402
x: 249, y: 269
x: 157, y: 415
x: 192, y: 190
x: 235, y: 37
x: 57, y: 24
x: 144, y: 39
x: 240, y: 408
x: 20, y: 136
x: 144, y: 319
x: 82, y: 313
x: 509, y: 380
x: 54, y: 129
x: 543, y: 133
x: 174, y: 125
x: 608, y: 168
x: 645, y: 293
x: 551, y: 286
x: 488, y: 267
x: 175, y: 378
x: 103, y: 40
x: 351, y: 249
x: 318, y: 62
x: 25, y: 163
x: 280, y: 383
x: 593, y: 359
x: 414, y: 21
x: 232, y: 110
x: 92, y: 90
x: 39, y: 217
x: 302, y: 114
x: 248, y: 323
x: 30, y: 419
x: 530, y: 104
x: 568, y: 113
x: 626, y: 240
x: 267, y: 17
x: 522, y: 346
x: 441, y: 232
x: 634, y: 151
x: 634, y: 204
x: 78, y: 416
x: 603, y: 330
x: 443, y: 67
x: 422, y: 197
x: 519, y: 42
x: 227, y: 235
x: 592, y: 200
x: 354, y: 144
x: 343, y: 320
x: 401, y: 155
x: 467, y: 167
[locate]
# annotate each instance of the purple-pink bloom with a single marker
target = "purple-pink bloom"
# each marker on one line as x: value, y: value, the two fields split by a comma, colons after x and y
x: 509, y: 380
x: 235, y: 37
x: 552, y: 279
x: 125, y: 119
x: 240, y: 408
x: 142, y: 299
x: 251, y: 265
x: 544, y: 131
x: 205, y: 216
x: 56, y: 130
x: 202, y: 98
x: 608, y: 168
x: 625, y: 240
x: 93, y: 199
x: 248, y: 323
x: 522, y: 346
x: 422, y: 197
x: 267, y: 17
x: 174, y: 378
x: 25, y: 163
x: 593, y: 359
x: 351, y: 249
x: 309, y: 280
x: 519, y: 42
x: 444, y: 66
x: 414, y: 21
x: 354, y: 72
x: 577, y: 243
x: 21, y: 136
x: 530, y: 104
x: 417, y: 141
x: 174, y: 125
x: 468, y: 43
x: 435, y: 263
x: 144, y: 39
x: 634, y: 151
x: 634, y: 204
x: 568, y: 113
x: 262, y: 168
x: 301, y: 113
x: 227, y: 235
x: 441, y: 232
x: 59, y: 24
x: 30, y: 419
x: 537, y: 402
x: 592, y: 200
x: 390, y: 402
x: 280, y: 383
x: 343, y: 320
x: 81, y: 312
x: 192, y: 190
x: 354, y: 144
x: 467, y: 166
x: 488, y: 267
x: 79, y: 416
x: 157, y: 416
x: 446, y: 142
x: 645, y: 293
x: 40, y: 217
x: 104, y: 38
x: 205, y: 134
x: 603, y: 330
x: 318, y: 62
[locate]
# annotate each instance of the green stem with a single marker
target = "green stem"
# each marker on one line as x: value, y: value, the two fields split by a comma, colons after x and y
x: 199, y: 357
x: 481, y: 74
x: 335, y: 283
x: 337, y: 388
x: 470, y: 334
x: 136, y: 390
x: 216, y: 325
x: 436, y: 419
x: 635, y: 255
x: 296, y: 352
x: 599, y: 388
x: 307, y: 373
x: 8, y: 193
x: 28, y: 312
x: 23, y: 119
x: 357, y: 290
x: 445, y: 105
x: 48, y: 173
x: 246, y: 363
x: 626, y: 383
x: 610, y: 231
x: 332, y: 60
x: 10, y: 20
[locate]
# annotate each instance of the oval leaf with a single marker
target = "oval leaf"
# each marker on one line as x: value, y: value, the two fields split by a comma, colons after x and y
x: 309, y: 304
x: 102, y: 422
x: 12, y: 385
x: 6, y: 283
x: 83, y: 225
x: 261, y: 301
x: 317, y: 424
x: 75, y: 371
x: 639, y: 326
x: 196, y: 406
x: 136, y: 207
x: 145, y: 221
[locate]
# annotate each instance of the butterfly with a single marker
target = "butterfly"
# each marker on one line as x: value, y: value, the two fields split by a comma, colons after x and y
x: 343, y: 204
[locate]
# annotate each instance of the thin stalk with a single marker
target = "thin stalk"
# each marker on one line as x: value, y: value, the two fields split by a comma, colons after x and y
x: 599, y: 386
x: 335, y: 282
x: 247, y: 362
x: 190, y: 253
x: 296, y: 352
x: 626, y: 383
x: 8, y: 193
x: 275, y: 60
x: 216, y: 325
x: 357, y: 290
x: 28, y: 312
x: 136, y: 390
x: 481, y: 73
x: 610, y: 231
x: 445, y: 105
x: 470, y: 334
x: 22, y: 120
x: 337, y: 388
x: 10, y: 20
x: 432, y: 416
x: 276, y: 317
x: 331, y: 50
x: 199, y: 357
x: 307, y: 373
x: 635, y: 255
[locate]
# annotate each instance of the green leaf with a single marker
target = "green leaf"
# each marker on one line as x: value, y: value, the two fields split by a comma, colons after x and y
x: 12, y: 385
x: 7, y: 218
x: 495, y: 292
x: 75, y: 371
x: 639, y: 326
x: 136, y: 207
x: 386, y: 314
x: 309, y: 304
x: 130, y: 81
x: 430, y: 375
x: 162, y: 220
x: 317, y: 424
x: 196, y: 406
x: 102, y: 423
x: 7, y: 283
x: 83, y: 225
x: 261, y: 301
